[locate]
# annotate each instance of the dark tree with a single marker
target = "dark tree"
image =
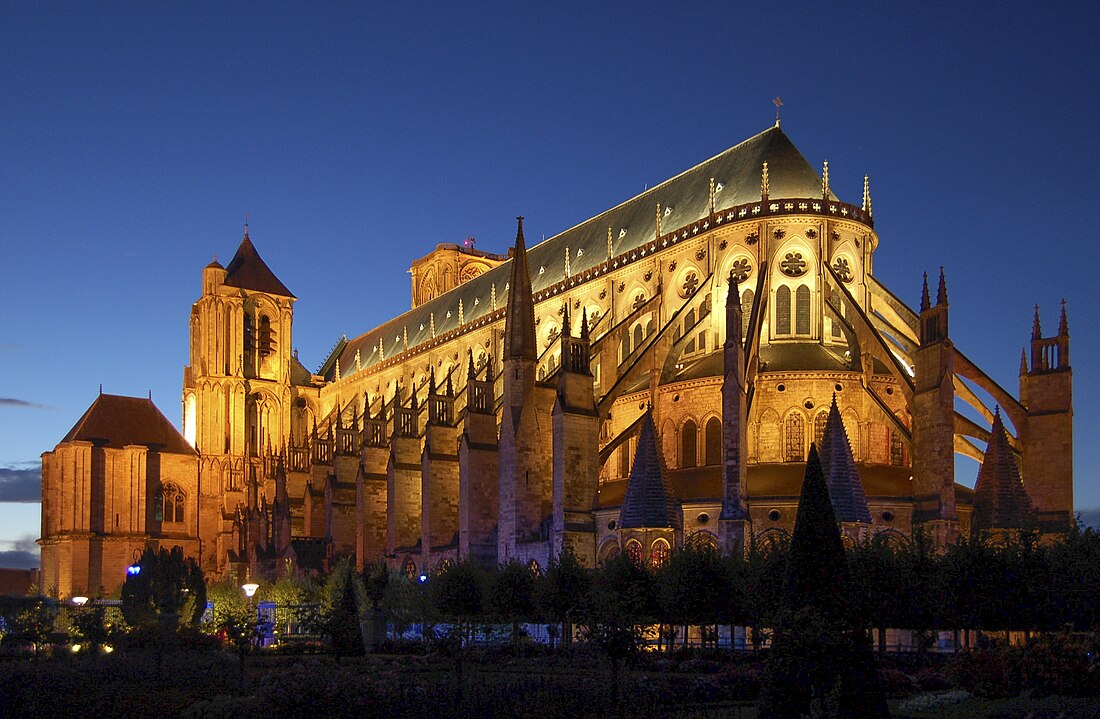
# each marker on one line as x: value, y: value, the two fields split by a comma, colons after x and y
x: 455, y: 594
x: 560, y: 592
x: 341, y: 612
x: 510, y: 595
x: 821, y: 662
x: 165, y: 585
x: 693, y: 587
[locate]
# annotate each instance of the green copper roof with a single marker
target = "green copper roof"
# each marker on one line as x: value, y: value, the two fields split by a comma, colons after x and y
x: 684, y: 199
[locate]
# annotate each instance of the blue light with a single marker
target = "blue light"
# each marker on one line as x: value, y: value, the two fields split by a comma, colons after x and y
x: 133, y: 570
x: 423, y: 578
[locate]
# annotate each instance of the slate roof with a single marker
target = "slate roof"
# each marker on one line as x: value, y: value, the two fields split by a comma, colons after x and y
x: 115, y: 421
x: 649, y: 501
x: 1000, y: 499
x: 247, y: 271
x: 845, y: 487
x: 685, y: 197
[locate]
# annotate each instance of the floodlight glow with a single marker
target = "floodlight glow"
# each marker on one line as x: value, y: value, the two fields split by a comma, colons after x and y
x: 423, y: 578
x: 80, y: 601
x: 250, y: 589
x: 133, y: 570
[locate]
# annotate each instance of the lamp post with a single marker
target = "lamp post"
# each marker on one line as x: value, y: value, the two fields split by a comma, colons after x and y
x: 249, y: 589
x: 80, y: 601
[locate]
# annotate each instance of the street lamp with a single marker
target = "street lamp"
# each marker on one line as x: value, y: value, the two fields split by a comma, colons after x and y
x: 80, y: 601
x: 250, y: 589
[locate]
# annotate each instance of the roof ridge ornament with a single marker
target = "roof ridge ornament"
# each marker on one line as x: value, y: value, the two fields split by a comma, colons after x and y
x: 867, y: 195
x: 764, y: 183
x: 825, y: 181
x: 778, y: 104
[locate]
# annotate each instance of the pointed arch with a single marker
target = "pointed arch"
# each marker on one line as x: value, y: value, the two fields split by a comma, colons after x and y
x: 783, y: 310
x: 794, y: 437
x: 747, y: 298
x: 802, y: 310
x: 712, y: 442
x: 689, y: 439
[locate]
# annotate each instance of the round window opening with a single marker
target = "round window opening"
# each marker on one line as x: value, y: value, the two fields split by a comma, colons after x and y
x: 781, y: 388
x: 675, y: 398
x: 808, y: 404
x: 888, y: 516
x: 838, y: 387
x: 889, y: 390
x: 611, y: 525
x: 703, y: 518
x: 774, y: 515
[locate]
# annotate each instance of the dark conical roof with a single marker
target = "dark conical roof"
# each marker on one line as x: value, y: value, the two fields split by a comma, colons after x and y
x: 1000, y: 499
x: 650, y: 502
x: 519, y: 331
x: 249, y: 272
x: 115, y: 421
x: 817, y: 572
x: 845, y: 487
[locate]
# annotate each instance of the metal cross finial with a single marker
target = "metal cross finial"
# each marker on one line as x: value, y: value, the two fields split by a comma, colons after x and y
x: 778, y: 104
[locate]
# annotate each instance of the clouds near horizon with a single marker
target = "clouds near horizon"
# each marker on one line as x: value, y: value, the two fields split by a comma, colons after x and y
x: 21, y: 403
x: 21, y: 483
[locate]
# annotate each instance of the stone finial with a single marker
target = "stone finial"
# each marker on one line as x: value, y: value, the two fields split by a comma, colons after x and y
x: 470, y: 366
x: 568, y: 272
x: 925, y: 300
x: 941, y: 292
x: 584, y: 323
x: 358, y: 361
x: 337, y: 369
x: 1036, y: 330
x: 825, y: 181
x: 610, y: 242
x: 867, y: 195
x: 381, y: 350
x: 764, y: 183
x: 431, y: 323
x: 493, y: 296
x: 450, y: 387
x: 1023, y: 361
x: 1063, y: 325
x: 405, y: 337
x: 712, y: 195
x: 431, y: 381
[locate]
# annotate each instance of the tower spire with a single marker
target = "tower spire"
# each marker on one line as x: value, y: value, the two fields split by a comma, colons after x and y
x: 1036, y: 331
x: 867, y: 195
x: 1063, y: 325
x: 941, y: 293
x: 519, y: 322
x: 925, y: 300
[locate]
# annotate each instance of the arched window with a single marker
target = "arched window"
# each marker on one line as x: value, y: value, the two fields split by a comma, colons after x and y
x: 609, y: 550
x: 689, y: 321
x: 168, y: 504
x: 704, y: 541
x: 795, y: 438
x: 688, y: 440
x: 649, y: 327
x: 713, y: 442
x: 266, y: 341
x: 634, y: 550
x: 624, y: 349
x: 409, y: 568
x: 746, y: 310
x: 783, y: 310
x: 802, y: 310
x: 659, y: 552
x: 639, y: 335
x: 819, y: 427
x: 624, y: 459
x: 249, y: 340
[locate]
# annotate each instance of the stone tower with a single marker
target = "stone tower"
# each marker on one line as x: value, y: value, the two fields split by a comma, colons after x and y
x: 1046, y: 389
x: 237, y: 389
x: 933, y: 421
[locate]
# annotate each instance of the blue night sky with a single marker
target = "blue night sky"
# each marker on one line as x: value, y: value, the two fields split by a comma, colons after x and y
x: 136, y: 136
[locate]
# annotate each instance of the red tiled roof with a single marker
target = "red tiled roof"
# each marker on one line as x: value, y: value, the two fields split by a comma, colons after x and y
x: 116, y: 421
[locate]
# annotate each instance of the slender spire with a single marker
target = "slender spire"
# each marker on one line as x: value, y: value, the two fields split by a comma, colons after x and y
x: 519, y: 322
x: 584, y: 323
x: 470, y: 374
x: 1063, y: 325
x: 566, y: 322
x: 431, y: 381
x: 925, y: 300
x: 867, y: 195
x: 1023, y: 361
x: 941, y: 293
x: 1036, y: 331
x: 450, y: 387
x: 733, y: 312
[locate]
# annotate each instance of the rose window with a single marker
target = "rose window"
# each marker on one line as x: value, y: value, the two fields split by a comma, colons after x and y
x: 842, y: 269
x: 793, y: 265
x: 740, y: 269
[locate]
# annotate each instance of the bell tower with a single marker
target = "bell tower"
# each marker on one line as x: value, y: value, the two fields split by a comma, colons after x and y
x: 237, y: 389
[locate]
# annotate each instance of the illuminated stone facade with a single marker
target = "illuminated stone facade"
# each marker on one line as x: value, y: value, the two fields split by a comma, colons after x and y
x: 499, y: 424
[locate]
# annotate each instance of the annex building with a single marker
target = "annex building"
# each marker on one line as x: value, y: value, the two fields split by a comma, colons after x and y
x: 652, y: 376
